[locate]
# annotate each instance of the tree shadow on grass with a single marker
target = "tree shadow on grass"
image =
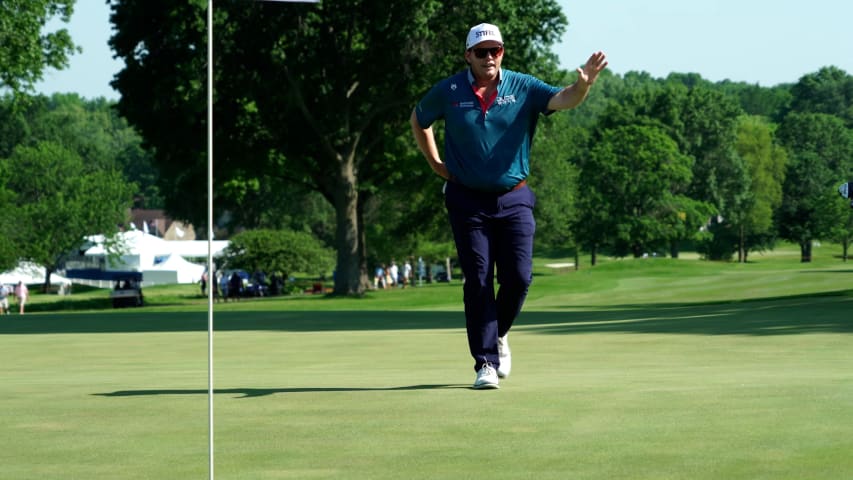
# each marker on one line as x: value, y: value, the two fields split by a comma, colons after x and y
x: 780, y: 316
x: 261, y: 392
x: 769, y: 316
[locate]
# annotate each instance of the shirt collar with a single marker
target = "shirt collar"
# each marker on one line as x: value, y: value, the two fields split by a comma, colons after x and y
x: 471, y: 76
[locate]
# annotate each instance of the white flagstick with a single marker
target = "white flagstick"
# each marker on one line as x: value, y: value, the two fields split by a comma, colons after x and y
x: 211, y: 273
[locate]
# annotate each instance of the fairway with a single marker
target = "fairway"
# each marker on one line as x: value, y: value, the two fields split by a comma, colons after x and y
x: 604, y: 385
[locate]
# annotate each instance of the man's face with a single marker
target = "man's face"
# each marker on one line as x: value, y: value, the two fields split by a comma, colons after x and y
x: 485, y: 59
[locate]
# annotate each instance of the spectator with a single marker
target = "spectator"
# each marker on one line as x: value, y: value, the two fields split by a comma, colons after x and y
x: 4, y: 299
x: 203, y: 282
x: 235, y: 286
x: 407, y: 273
x: 393, y: 272
x: 379, y: 278
x: 22, y: 293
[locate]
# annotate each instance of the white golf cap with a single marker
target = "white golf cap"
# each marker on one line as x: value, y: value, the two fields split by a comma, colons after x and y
x: 481, y: 33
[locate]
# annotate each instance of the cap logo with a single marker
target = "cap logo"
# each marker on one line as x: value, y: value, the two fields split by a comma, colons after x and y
x: 481, y: 33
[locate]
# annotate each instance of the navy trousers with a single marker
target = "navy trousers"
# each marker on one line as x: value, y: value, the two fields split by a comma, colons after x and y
x: 493, y: 231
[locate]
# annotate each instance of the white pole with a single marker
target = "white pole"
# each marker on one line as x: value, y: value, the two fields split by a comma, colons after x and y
x: 211, y: 273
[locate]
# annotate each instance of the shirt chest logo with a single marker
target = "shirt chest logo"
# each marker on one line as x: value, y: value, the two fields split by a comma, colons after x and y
x: 463, y: 104
x: 505, y: 100
x: 499, y: 101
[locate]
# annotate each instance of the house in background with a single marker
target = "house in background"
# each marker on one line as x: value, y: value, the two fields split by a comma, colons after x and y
x: 155, y: 222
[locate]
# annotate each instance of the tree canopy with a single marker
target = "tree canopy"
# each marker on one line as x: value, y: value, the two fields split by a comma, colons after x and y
x: 25, y: 50
x: 60, y: 199
x: 281, y: 251
x: 313, y: 95
x: 311, y: 104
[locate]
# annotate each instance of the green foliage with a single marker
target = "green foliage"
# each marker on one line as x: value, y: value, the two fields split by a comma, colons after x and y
x: 829, y: 91
x: 631, y: 173
x: 281, y: 251
x: 820, y: 153
x: 91, y: 128
x: 770, y: 103
x: 753, y: 217
x: 164, y: 95
x: 554, y: 171
x: 60, y: 154
x: 25, y: 50
x: 710, y: 125
x: 311, y: 105
x: 58, y: 199
x: 314, y: 95
x: 841, y: 231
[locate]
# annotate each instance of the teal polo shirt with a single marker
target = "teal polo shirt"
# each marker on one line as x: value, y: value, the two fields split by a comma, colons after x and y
x: 487, y: 150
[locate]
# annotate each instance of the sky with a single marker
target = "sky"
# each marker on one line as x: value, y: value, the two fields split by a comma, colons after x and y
x: 758, y: 42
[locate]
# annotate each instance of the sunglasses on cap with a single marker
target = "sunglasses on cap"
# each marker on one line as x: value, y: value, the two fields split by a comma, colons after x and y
x: 482, y: 52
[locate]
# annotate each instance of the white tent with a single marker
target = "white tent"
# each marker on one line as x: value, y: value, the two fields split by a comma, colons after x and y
x: 30, y: 273
x: 196, y: 248
x: 138, y: 250
x: 184, y: 271
x: 160, y: 261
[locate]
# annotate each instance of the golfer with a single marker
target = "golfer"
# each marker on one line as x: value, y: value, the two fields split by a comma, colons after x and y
x: 490, y: 115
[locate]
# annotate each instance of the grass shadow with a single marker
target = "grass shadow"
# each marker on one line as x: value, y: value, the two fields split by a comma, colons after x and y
x: 261, y: 392
x: 770, y: 316
x: 798, y: 314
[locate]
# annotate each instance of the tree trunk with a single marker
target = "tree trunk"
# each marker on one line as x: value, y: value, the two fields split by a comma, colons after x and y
x: 673, y: 249
x: 741, y: 252
x: 806, y: 251
x: 592, y: 255
x: 577, y: 257
x: 351, y: 272
x: 364, y: 273
x: 45, y: 288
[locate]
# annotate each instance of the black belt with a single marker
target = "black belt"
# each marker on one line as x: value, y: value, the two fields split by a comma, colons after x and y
x: 517, y: 186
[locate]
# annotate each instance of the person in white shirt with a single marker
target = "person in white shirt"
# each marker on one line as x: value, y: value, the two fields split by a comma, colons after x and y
x: 4, y: 299
x: 393, y: 272
x: 407, y: 273
x: 22, y: 293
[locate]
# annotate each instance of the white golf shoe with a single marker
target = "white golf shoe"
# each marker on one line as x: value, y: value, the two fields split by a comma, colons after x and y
x: 487, y: 377
x: 505, y: 356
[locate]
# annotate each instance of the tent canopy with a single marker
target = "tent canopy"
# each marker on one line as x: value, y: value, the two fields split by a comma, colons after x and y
x: 160, y: 261
x: 30, y: 273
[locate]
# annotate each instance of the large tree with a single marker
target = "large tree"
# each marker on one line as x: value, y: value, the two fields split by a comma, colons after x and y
x: 752, y: 218
x: 312, y: 95
x: 93, y: 138
x: 820, y: 156
x: 632, y: 172
x: 681, y: 112
x: 25, y: 49
x: 57, y: 200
